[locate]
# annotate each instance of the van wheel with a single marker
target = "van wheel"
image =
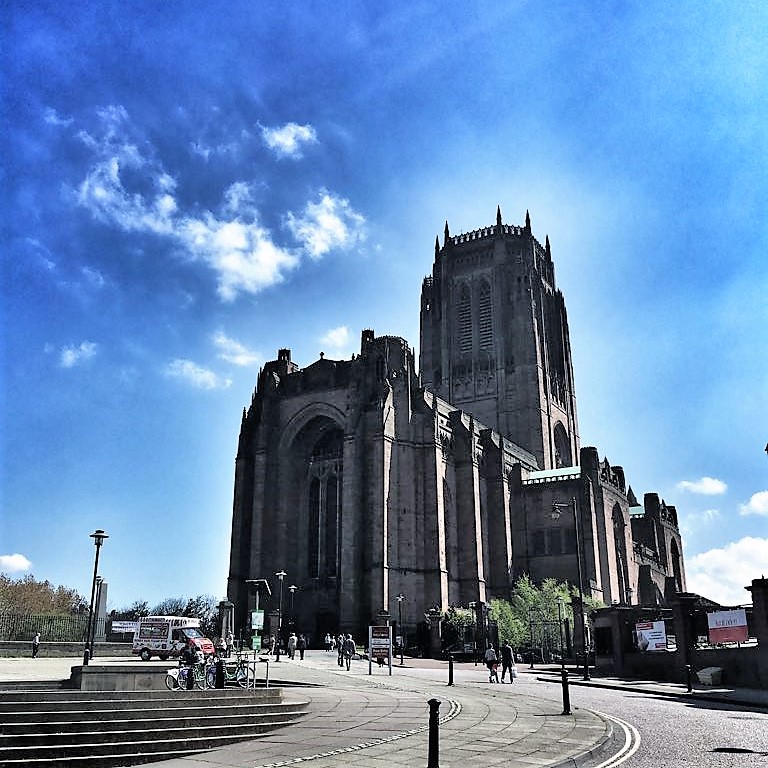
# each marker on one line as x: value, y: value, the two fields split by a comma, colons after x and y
x: 163, y: 657
x: 145, y: 654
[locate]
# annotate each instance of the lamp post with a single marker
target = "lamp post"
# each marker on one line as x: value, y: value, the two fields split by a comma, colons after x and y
x: 556, y: 507
x: 98, y: 537
x: 530, y: 629
x: 630, y: 592
x: 473, y: 606
x: 400, y: 599
x: 560, y: 630
x: 280, y: 575
x: 292, y: 619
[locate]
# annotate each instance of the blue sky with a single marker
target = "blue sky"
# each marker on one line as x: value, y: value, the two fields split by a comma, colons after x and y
x: 190, y: 186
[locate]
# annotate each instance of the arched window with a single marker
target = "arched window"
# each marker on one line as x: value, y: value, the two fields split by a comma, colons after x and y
x: 620, y: 549
x: 563, y: 456
x: 677, y: 571
x: 485, y: 317
x: 324, y: 501
x: 465, y: 321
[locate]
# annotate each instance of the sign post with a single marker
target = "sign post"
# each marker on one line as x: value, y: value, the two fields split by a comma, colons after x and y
x: 379, y: 646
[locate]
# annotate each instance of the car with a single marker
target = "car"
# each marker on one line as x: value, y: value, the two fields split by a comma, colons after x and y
x: 460, y: 652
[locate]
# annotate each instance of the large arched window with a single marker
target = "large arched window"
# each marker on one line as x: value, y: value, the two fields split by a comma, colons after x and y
x: 465, y: 321
x: 677, y: 571
x: 563, y: 456
x: 620, y: 549
x: 485, y: 317
x: 324, y: 504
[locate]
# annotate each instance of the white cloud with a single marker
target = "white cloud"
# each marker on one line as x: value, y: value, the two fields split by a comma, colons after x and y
x: 51, y: 116
x: 338, y: 338
x: 73, y: 355
x: 757, y: 505
x: 15, y: 563
x: 197, y: 376
x: 233, y: 351
x: 329, y: 223
x: 722, y: 574
x: 287, y: 141
x: 706, y: 486
x: 239, y: 250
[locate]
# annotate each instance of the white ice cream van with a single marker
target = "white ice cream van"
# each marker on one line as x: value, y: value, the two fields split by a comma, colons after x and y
x: 166, y: 636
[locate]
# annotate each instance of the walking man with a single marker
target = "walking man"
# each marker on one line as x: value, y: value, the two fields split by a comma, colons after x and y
x: 506, y: 661
x: 35, y: 645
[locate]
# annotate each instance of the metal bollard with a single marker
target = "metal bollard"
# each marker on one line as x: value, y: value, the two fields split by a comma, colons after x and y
x: 434, y: 747
x: 190, y: 677
x: 450, y: 669
x: 689, y: 677
x: 86, y: 657
x: 566, y: 692
x: 219, y: 673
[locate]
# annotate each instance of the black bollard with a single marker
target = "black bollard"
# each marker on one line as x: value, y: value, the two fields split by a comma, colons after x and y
x: 86, y: 657
x: 434, y: 745
x: 190, y: 678
x: 450, y: 669
x: 566, y: 692
x: 689, y: 677
x: 219, y: 673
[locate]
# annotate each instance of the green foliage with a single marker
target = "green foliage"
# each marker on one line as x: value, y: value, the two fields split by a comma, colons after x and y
x: 28, y: 596
x: 135, y: 611
x: 203, y: 607
x: 456, y: 623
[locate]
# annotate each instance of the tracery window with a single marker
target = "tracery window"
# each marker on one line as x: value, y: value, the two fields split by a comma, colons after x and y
x: 485, y: 317
x: 465, y: 321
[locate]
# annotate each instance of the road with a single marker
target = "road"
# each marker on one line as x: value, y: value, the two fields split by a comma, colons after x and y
x: 673, y: 733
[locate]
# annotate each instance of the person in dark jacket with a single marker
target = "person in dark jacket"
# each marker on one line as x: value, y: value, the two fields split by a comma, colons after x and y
x: 506, y: 661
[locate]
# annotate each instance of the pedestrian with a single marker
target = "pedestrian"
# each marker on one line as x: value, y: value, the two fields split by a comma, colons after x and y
x: 292, y: 646
x: 189, y: 658
x: 340, y: 649
x: 301, y: 646
x: 507, y: 662
x: 35, y: 645
x: 349, y: 650
x: 230, y: 643
x: 492, y: 662
x: 328, y: 642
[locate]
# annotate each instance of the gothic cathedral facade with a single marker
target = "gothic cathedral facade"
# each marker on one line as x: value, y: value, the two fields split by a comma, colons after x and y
x: 366, y: 479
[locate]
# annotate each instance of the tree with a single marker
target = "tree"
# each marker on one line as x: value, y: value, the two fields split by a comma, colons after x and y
x: 27, y: 596
x: 171, y: 606
x: 455, y: 623
x: 135, y: 611
x: 203, y: 607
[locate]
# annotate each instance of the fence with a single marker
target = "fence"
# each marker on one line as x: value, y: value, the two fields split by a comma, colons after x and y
x: 56, y: 628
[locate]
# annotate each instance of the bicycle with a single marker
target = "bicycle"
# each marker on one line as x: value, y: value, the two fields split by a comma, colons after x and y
x: 176, y: 678
x: 236, y: 672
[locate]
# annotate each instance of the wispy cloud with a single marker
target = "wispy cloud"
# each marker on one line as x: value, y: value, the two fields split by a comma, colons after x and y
x: 51, y: 116
x: 337, y: 338
x: 706, y: 486
x: 757, y: 505
x: 233, y: 351
x: 288, y: 140
x: 328, y: 223
x: 196, y: 375
x: 15, y: 563
x: 232, y: 242
x: 74, y: 355
x: 721, y: 574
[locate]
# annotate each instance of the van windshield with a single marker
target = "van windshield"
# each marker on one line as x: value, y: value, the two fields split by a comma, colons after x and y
x: 191, y: 632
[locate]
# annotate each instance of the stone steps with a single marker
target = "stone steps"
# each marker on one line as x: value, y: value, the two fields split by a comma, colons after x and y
x: 111, y: 729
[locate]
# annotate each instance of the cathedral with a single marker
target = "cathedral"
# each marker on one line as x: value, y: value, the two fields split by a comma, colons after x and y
x: 378, y: 487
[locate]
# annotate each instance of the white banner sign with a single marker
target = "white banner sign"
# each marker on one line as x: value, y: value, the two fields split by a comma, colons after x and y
x: 651, y: 636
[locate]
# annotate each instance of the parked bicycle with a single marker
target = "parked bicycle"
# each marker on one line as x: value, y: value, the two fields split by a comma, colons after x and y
x: 176, y: 679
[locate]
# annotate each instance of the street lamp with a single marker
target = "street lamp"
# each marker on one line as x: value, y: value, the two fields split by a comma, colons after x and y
x: 292, y: 589
x: 560, y: 630
x: 280, y: 575
x: 473, y: 606
x: 556, y: 507
x: 400, y: 599
x: 530, y: 629
x: 98, y: 537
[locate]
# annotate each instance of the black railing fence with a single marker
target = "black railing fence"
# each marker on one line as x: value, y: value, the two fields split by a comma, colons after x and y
x: 59, y: 629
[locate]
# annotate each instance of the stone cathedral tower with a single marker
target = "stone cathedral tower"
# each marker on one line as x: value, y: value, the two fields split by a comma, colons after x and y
x: 494, y: 339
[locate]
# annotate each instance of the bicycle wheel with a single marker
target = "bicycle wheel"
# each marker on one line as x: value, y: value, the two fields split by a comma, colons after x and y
x: 199, y: 677
x: 210, y: 677
x: 241, y: 675
x: 171, y: 682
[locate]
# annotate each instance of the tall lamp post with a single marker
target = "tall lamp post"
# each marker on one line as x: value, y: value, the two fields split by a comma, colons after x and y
x: 292, y: 618
x: 560, y: 630
x: 473, y: 607
x: 556, y: 507
x: 98, y: 537
x: 400, y: 599
x: 280, y: 575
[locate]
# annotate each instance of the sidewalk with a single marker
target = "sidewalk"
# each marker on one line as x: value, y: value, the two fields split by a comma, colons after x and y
x: 751, y: 697
x: 381, y: 721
